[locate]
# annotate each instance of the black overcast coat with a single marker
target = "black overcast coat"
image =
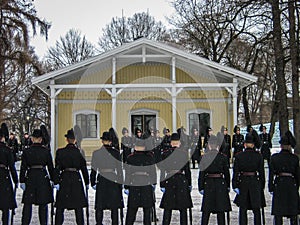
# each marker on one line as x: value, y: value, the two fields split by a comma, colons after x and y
x: 8, y: 200
x: 237, y: 143
x: 141, y: 193
x: 216, y: 197
x: 71, y: 194
x: 38, y: 188
x: 251, y: 187
x: 107, y: 174
x: 177, y: 193
x: 285, y: 200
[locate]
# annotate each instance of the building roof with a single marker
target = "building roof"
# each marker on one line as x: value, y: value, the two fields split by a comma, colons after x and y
x: 145, y: 50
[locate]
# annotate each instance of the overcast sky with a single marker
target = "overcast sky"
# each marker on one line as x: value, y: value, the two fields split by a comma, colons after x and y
x: 90, y: 16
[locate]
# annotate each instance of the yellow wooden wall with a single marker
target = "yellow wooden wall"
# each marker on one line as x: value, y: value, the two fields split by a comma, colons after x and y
x: 69, y: 101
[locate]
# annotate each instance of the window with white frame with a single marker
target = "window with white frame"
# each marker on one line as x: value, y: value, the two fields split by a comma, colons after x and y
x: 88, y: 123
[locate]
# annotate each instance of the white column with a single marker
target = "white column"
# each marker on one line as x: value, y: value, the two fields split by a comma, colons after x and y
x: 174, y: 94
x: 114, y: 108
x: 52, y: 122
x: 234, y: 100
x: 113, y: 96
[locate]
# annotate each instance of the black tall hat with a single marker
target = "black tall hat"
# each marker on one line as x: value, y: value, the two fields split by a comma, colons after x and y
x: 175, y: 137
x: 236, y: 128
x: 124, y: 130
x: 5, y: 131
x: 106, y: 136
x: 249, y: 139
x: 249, y: 127
x: 37, y: 133
x: 70, y: 134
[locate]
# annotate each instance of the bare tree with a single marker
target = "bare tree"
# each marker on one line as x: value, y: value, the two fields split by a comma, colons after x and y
x: 70, y: 49
x: 123, y: 30
x: 18, y: 62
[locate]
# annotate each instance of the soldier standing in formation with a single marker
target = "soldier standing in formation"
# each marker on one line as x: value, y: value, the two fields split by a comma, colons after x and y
x: 68, y: 182
x: 175, y: 181
x: 248, y: 181
x: 237, y: 141
x: 36, y: 174
x: 166, y: 142
x: 209, y: 132
x: 7, y: 171
x: 195, y: 146
x: 140, y: 179
x: 107, y: 178
x: 25, y: 142
x: 284, y: 183
x: 225, y: 147
x: 126, y: 144
x: 266, y: 143
x: 214, y: 183
x: 14, y: 145
x: 157, y: 146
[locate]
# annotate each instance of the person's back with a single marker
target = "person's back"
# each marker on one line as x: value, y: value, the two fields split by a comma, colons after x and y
x: 68, y: 181
x: 284, y: 183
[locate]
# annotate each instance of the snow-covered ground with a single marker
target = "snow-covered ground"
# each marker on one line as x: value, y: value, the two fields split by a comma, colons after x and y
x: 197, y: 200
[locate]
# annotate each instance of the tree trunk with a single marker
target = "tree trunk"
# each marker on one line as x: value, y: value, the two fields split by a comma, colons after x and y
x: 279, y: 66
x: 246, y: 106
x: 295, y: 74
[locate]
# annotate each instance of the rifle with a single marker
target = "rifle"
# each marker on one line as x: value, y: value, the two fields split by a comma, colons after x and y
x: 87, y: 207
x: 13, y: 210
x: 191, y: 216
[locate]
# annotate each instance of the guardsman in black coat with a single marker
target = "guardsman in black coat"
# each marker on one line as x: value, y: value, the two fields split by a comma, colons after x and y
x: 157, y: 146
x: 25, y: 142
x: 107, y: 179
x: 284, y: 183
x: 237, y: 141
x: 175, y: 181
x: 266, y: 143
x: 214, y: 183
x: 195, y: 146
x: 256, y: 139
x: 7, y: 171
x: 209, y: 132
x: 14, y: 145
x: 140, y: 180
x: 225, y: 147
x: 248, y: 181
x: 126, y: 144
x: 166, y: 142
x: 36, y: 174
x: 68, y: 182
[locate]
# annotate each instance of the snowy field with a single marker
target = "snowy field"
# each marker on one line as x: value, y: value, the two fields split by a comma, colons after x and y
x: 197, y: 200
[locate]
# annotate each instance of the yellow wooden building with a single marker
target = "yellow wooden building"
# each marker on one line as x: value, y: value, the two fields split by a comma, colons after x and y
x: 141, y: 84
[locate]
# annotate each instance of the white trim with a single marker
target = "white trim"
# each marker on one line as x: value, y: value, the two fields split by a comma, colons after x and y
x: 198, y: 111
x: 86, y: 112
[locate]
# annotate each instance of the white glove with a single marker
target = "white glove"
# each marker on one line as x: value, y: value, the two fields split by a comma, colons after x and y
x: 94, y: 187
x: 236, y: 190
x: 201, y: 192
x: 23, y: 186
x: 162, y: 189
x: 126, y: 191
x: 56, y: 186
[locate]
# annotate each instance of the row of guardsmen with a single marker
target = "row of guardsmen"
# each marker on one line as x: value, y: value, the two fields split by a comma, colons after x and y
x: 71, y: 181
